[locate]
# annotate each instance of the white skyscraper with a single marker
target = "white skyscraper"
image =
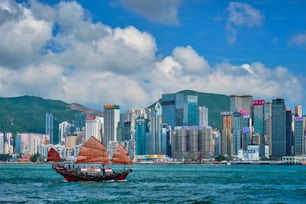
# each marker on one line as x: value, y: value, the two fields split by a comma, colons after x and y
x: 94, y: 127
x: 64, y: 130
x: 203, y: 116
x: 35, y: 140
x: 111, y: 119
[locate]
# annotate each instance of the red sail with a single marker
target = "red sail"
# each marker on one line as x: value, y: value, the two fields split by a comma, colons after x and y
x: 93, y: 151
x: 121, y: 156
x: 53, y: 155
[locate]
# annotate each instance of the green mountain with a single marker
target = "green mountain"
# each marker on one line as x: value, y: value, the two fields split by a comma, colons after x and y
x: 27, y: 113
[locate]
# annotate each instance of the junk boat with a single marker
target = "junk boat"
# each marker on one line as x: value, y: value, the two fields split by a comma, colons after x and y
x: 85, y: 168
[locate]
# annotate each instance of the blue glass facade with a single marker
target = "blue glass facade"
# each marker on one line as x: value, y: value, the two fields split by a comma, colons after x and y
x: 237, y: 128
x: 191, y: 111
x: 169, y: 109
x: 18, y: 144
x: 141, y: 132
x: 278, y: 127
x: 49, y: 129
x: 299, y: 139
x: 179, y: 109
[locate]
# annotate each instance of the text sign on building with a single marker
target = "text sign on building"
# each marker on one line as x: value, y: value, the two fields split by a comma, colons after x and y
x: 258, y: 102
x: 111, y: 106
x: 192, y: 99
x: 246, y: 129
x: 244, y: 112
x: 236, y: 114
x: 297, y: 119
x: 226, y: 113
x: 90, y: 117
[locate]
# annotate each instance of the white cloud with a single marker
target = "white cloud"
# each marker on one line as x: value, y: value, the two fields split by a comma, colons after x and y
x: 22, y: 39
x: 299, y: 39
x: 159, y: 11
x: 92, y: 63
x: 9, y: 11
x: 191, y: 62
x: 241, y: 14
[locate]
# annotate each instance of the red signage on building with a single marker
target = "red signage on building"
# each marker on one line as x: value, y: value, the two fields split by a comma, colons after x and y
x: 244, y: 112
x: 258, y: 102
x: 90, y: 117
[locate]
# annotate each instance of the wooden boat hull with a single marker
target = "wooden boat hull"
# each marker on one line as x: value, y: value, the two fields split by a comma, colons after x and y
x: 73, y: 176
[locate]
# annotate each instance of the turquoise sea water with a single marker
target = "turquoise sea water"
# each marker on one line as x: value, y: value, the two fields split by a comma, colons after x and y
x: 163, y: 183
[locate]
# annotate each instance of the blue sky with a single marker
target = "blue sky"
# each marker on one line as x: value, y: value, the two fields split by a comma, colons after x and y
x: 129, y: 52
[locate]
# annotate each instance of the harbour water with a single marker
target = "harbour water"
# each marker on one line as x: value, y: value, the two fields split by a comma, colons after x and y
x: 159, y: 183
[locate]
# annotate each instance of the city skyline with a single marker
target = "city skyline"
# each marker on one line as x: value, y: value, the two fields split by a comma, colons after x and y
x: 130, y: 53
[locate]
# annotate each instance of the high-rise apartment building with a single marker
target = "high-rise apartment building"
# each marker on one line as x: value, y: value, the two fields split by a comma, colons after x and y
x: 226, y: 142
x: 1, y: 143
x: 179, y: 142
x: 111, y: 120
x: 278, y: 127
x: 64, y: 129
x: 206, y: 142
x: 6, y: 147
x: 226, y: 134
x: 227, y: 120
x: 192, y: 142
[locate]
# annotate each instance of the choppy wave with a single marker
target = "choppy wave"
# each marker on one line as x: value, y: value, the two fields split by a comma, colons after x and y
x: 165, y: 183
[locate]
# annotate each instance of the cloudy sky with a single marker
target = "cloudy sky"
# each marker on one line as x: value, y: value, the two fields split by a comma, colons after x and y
x: 130, y: 52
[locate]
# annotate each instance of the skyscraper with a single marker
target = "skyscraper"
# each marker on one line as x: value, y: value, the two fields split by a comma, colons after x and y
x: 141, y: 136
x: 241, y: 102
x: 259, y: 122
x: 180, y: 109
x: 299, y: 138
x: 237, y: 128
x: 111, y: 119
x: 278, y: 127
x: 64, y: 131
x: 226, y: 134
x: 268, y: 125
x: 203, y: 116
x: 49, y: 129
x: 246, y: 131
x: 156, y: 129
x: 18, y: 144
x: 206, y: 142
x: 94, y: 127
x: 289, y: 133
x: 191, y: 113
x: 172, y: 108
x: 165, y: 140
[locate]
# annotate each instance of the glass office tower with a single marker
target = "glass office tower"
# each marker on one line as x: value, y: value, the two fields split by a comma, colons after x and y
x: 278, y: 127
